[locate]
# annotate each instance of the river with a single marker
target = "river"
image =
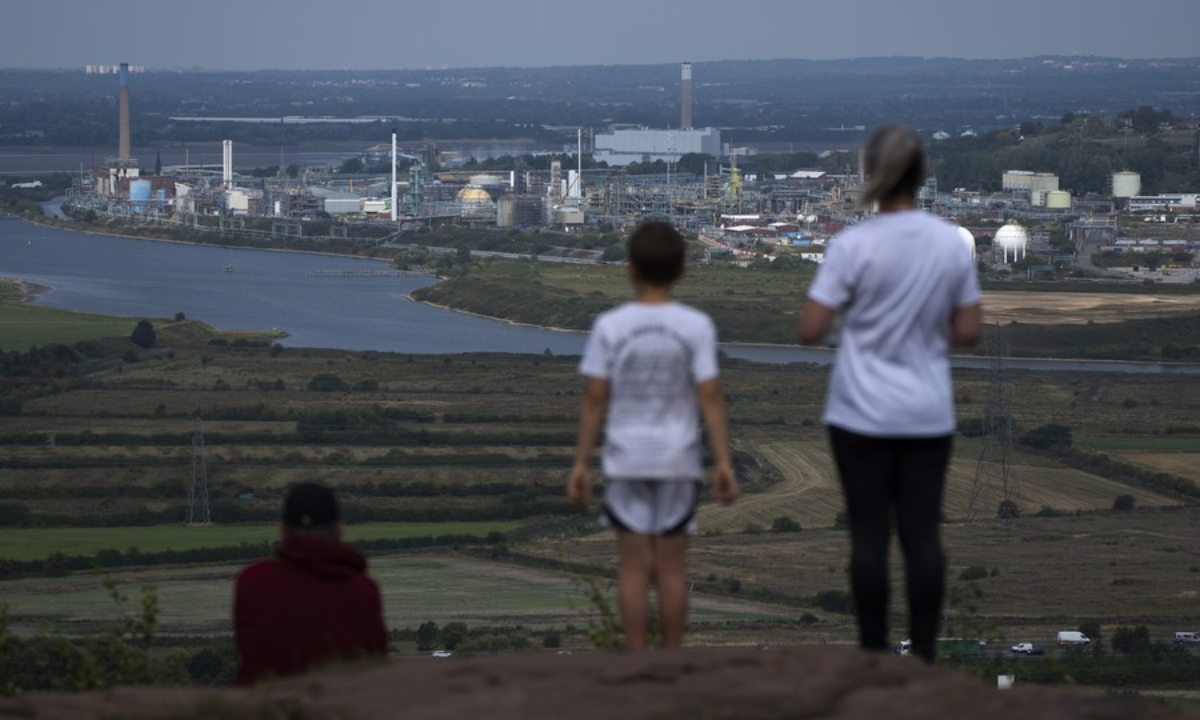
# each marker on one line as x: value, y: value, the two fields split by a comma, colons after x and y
x: 269, y: 290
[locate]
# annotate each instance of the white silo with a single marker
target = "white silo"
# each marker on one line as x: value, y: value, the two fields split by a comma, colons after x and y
x: 968, y: 240
x: 1013, y: 240
x: 1126, y: 184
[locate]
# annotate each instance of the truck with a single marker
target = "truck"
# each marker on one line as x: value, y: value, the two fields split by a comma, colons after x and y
x: 1071, y: 638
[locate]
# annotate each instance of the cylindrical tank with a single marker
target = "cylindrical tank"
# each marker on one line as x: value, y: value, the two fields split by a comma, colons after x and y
x: 1126, y: 184
x: 139, y: 190
x: 1058, y: 200
x: 968, y: 240
x: 486, y: 181
x: 506, y: 211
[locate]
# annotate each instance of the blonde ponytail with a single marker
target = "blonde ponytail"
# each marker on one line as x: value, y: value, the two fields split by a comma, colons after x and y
x: 895, y: 164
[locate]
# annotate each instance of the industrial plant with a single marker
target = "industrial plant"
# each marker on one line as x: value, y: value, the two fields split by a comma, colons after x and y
x: 1031, y: 226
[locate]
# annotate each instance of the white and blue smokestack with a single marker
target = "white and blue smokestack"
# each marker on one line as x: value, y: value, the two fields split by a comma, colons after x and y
x: 123, y: 146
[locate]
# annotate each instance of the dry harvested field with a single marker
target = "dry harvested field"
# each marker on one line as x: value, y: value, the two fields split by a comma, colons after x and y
x: 1178, y: 463
x: 1141, y: 567
x: 809, y: 492
x: 1072, y: 308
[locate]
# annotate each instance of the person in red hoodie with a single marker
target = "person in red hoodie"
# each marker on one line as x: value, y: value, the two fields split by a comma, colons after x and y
x: 313, y: 603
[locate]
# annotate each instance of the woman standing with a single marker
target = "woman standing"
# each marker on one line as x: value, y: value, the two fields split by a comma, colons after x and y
x: 907, y: 290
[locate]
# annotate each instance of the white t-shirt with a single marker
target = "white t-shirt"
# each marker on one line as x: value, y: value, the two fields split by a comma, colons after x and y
x: 897, y: 278
x: 653, y: 356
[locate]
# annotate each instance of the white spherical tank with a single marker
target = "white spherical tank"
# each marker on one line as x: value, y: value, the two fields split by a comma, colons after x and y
x: 1012, y: 241
x: 1058, y: 200
x: 1126, y: 184
x: 968, y: 240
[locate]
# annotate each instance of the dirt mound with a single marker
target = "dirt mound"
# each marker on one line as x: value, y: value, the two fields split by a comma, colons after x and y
x: 708, y: 684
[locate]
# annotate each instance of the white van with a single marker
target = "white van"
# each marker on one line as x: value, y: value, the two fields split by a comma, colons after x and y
x: 1187, y: 637
x: 1067, y: 638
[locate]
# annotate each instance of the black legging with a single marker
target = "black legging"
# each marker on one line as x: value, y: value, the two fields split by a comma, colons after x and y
x: 906, y: 475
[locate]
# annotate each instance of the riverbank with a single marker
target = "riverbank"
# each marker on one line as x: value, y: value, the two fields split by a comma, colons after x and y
x: 760, y: 309
x: 90, y: 229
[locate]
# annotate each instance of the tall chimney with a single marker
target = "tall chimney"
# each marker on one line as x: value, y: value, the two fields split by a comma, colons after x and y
x: 123, y: 147
x: 227, y: 163
x: 685, y: 115
x: 395, y: 209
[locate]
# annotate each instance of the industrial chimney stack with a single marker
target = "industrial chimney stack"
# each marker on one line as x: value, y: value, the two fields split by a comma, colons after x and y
x: 227, y: 163
x: 123, y: 147
x: 685, y: 116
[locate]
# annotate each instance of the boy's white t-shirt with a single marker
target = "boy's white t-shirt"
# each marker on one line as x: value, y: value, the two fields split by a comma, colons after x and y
x: 897, y: 278
x: 653, y: 355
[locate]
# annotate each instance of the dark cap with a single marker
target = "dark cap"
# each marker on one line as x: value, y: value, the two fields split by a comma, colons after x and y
x: 310, y: 505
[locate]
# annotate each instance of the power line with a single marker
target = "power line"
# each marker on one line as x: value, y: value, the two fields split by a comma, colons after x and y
x: 198, y: 489
x: 996, y: 489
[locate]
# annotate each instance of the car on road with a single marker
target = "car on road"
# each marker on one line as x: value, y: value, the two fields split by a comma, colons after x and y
x: 1187, y: 637
x: 1027, y: 649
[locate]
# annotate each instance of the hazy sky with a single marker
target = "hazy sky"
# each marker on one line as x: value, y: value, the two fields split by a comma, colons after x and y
x: 389, y: 34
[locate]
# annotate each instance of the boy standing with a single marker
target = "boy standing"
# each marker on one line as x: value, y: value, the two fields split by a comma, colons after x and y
x: 652, y: 365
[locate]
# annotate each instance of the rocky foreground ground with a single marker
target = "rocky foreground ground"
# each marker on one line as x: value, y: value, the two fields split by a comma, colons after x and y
x: 702, y: 685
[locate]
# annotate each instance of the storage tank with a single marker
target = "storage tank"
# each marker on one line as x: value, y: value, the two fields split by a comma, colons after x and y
x: 1058, y: 200
x: 506, y: 211
x: 139, y: 190
x: 968, y: 240
x: 1012, y: 241
x: 1126, y: 184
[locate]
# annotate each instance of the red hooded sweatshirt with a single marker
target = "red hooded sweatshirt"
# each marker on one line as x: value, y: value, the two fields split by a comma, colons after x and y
x: 310, y: 605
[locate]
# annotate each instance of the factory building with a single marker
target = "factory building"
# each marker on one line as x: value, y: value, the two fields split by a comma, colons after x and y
x: 1164, y: 203
x: 1035, y: 185
x: 626, y: 146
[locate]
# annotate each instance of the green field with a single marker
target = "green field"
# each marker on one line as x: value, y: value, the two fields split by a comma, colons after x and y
x: 759, y: 305
x: 416, y: 587
x: 37, y: 543
x: 1139, y: 443
x: 747, y: 306
x: 24, y: 326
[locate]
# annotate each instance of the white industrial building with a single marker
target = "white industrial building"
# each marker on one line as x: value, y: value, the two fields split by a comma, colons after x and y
x: 626, y: 146
x: 1036, y: 184
x: 1163, y: 203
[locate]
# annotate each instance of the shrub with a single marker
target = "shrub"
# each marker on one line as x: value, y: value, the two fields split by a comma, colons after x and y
x: 1008, y: 510
x: 838, y: 601
x: 784, y: 524
x: 1049, y: 437
x: 1131, y: 641
x: 973, y: 572
x: 143, y: 334
x: 1124, y: 503
x: 326, y: 382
